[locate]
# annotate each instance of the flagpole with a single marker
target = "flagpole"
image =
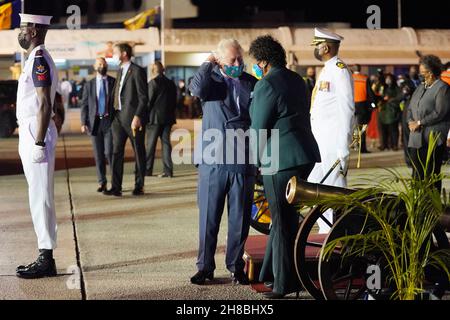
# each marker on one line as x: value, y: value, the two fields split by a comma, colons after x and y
x: 162, y: 32
x: 22, y: 53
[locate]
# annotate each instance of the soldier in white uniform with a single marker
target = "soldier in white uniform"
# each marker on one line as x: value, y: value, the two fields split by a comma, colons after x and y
x: 37, y: 140
x: 332, y: 113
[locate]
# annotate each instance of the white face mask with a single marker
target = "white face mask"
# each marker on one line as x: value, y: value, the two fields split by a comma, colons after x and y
x: 115, y: 59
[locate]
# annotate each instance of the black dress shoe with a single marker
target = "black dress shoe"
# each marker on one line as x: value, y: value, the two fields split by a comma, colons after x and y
x: 240, y: 277
x: 365, y: 151
x: 268, y: 285
x: 42, y: 267
x: 138, y: 191
x: 112, y: 192
x: 149, y: 174
x: 273, y: 295
x: 102, y: 188
x: 201, y: 276
x: 165, y: 175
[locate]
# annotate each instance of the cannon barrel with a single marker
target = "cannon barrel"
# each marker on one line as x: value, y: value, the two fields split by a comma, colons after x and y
x: 298, y: 190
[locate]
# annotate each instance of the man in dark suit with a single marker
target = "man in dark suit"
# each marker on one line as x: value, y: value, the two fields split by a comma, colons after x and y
x: 130, y: 117
x: 96, y: 113
x: 225, y: 91
x: 162, y: 98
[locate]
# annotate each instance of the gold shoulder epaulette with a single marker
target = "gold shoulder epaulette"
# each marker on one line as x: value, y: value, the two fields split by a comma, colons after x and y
x: 340, y: 64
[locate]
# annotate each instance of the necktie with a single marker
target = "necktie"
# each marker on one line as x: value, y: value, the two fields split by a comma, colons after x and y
x: 102, y: 99
x: 117, y: 90
x: 232, y: 88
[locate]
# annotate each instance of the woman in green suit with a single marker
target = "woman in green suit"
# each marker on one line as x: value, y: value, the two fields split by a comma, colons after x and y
x: 280, y: 104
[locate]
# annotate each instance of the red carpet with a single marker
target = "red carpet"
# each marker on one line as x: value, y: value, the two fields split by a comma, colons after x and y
x: 255, y: 248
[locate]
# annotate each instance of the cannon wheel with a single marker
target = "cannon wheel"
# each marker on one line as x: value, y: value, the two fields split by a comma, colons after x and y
x: 260, y: 218
x: 433, y: 276
x: 343, y: 277
x: 307, y: 250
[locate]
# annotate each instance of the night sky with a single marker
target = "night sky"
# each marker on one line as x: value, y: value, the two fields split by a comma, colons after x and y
x: 264, y: 13
x: 417, y: 14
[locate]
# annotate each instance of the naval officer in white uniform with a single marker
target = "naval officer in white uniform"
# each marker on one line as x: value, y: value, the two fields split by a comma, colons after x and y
x: 332, y: 114
x: 37, y: 140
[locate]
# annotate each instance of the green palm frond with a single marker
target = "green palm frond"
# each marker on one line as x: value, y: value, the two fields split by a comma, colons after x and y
x: 401, y: 214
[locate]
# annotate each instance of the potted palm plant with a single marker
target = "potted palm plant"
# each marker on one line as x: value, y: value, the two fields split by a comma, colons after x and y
x: 401, y: 218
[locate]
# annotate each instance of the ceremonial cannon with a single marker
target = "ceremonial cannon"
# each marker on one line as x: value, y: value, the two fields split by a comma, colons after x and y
x: 333, y: 273
x: 336, y: 275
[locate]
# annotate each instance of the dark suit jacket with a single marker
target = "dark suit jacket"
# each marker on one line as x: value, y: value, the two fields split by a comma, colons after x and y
x: 162, y: 99
x: 89, y: 103
x: 218, y: 112
x: 134, y: 96
x: 432, y: 107
x: 280, y: 102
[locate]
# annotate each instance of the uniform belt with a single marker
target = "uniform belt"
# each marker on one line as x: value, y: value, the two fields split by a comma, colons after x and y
x: 103, y: 117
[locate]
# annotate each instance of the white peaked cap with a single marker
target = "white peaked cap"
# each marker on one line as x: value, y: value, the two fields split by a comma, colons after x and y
x: 34, y: 18
x: 324, y: 34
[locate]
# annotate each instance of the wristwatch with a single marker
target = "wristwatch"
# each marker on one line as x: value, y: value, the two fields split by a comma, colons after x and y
x: 40, y: 143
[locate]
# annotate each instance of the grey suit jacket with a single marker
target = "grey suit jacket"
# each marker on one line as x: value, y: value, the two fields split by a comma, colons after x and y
x: 432, y: 107
x: 219, y: 114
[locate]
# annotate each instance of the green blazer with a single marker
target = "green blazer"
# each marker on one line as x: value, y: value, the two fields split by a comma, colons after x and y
x: 280, y: 102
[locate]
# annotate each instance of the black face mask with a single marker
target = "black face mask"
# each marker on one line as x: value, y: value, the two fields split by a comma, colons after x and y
x: 102, y: 70
x: 317, y: 55
x: 23, y: 42
x: 421, y: 78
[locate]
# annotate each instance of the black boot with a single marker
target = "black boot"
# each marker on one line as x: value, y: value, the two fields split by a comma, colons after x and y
x: 44, y: 266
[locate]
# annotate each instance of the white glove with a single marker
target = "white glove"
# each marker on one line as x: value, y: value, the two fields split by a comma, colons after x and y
x: 38, y: 154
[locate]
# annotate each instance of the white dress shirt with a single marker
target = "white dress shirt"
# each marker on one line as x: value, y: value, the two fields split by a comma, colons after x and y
x: 125, y: 66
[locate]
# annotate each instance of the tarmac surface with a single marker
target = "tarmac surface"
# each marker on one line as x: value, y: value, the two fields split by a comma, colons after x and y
x: 129, y: 247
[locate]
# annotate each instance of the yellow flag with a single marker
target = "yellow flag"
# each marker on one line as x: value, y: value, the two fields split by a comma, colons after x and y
x: 140, y: 21
x: 6, y: 11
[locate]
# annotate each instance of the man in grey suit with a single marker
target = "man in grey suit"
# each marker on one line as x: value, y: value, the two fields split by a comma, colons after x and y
x: 130, y: 118
x: 225, y: 91
x: 96, y: 113
x: 428, y: 111
x: 162, y: 99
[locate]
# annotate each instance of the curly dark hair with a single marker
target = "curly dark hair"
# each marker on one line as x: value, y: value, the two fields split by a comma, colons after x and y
x: 266, y: 48
x: 433, y: 64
